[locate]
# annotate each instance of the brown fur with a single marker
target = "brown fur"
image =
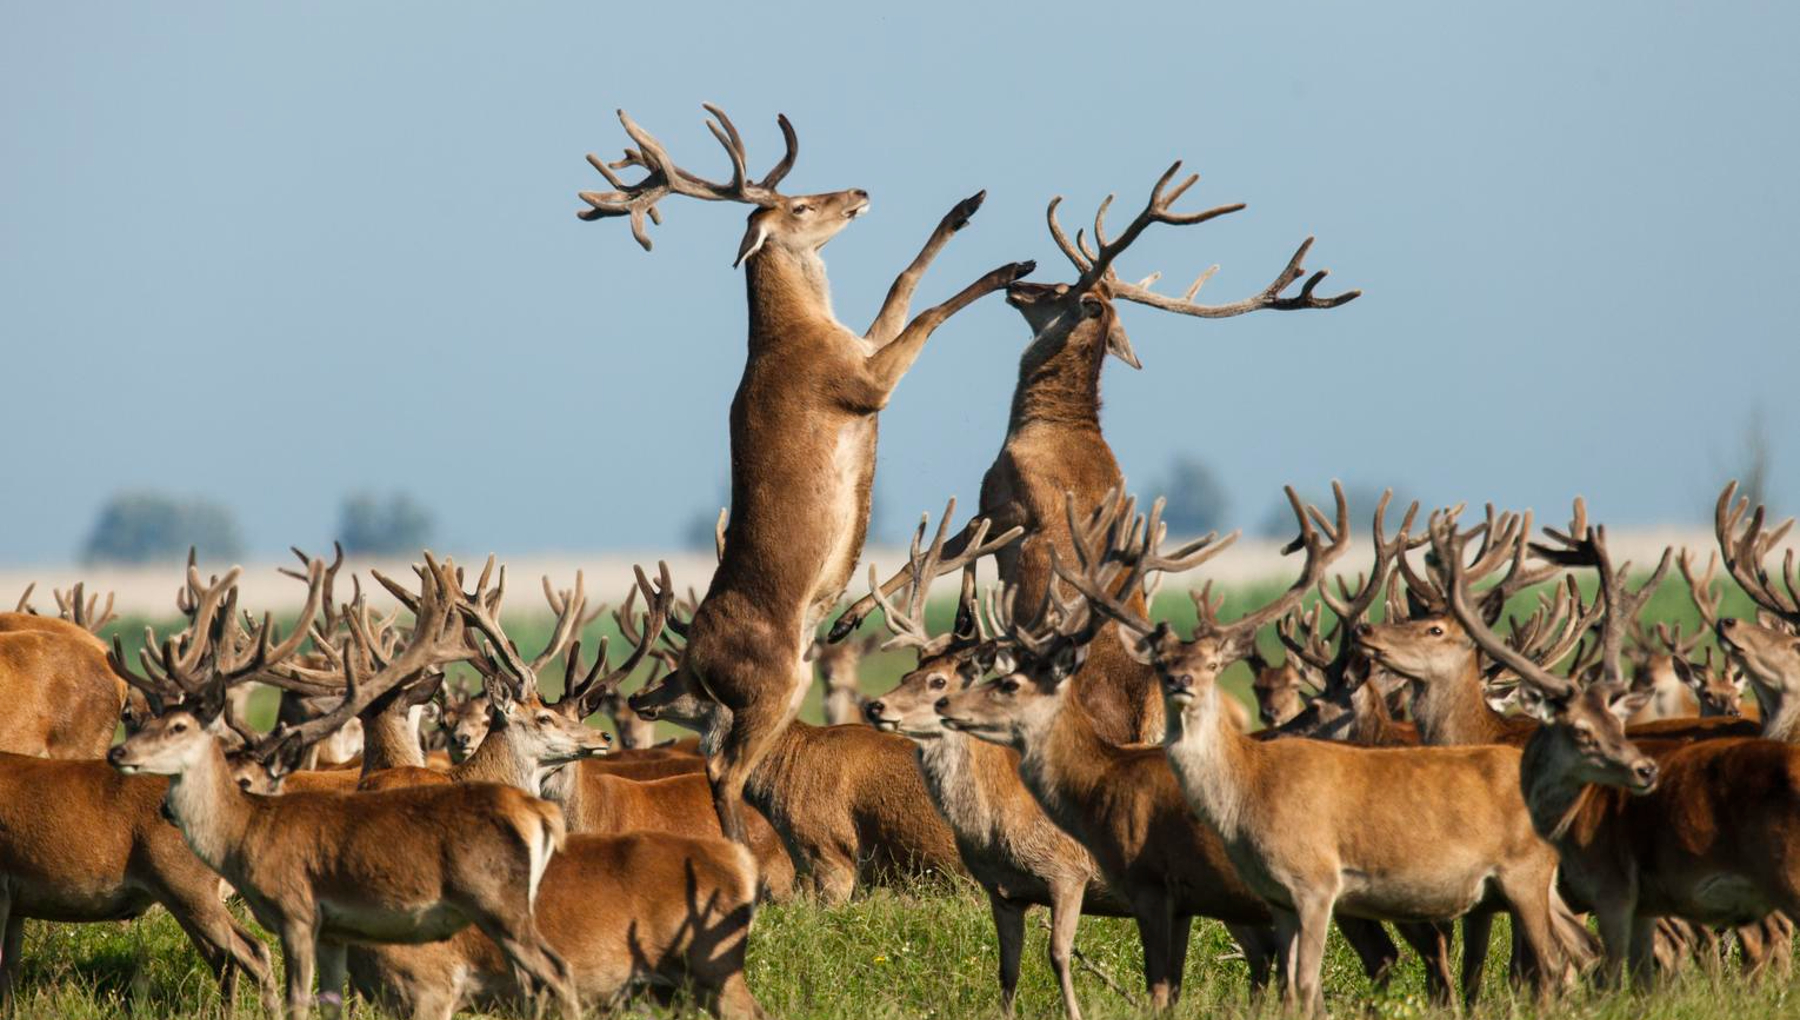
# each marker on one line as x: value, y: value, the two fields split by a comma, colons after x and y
x: 81, y: 843
x: 624, y: 911
x: 62, y: 699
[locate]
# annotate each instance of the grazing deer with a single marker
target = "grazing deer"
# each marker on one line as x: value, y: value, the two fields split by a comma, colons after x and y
x: 61, y: 700
x: 322, y: 870
x: 1014, y: 851
x: 645, y: 908
x: 1696, y: 829
x: 838, y: 670
x: 1296, y: 816
x: 81, y: 843
x: 1054, y: 444
x: 803, y: 435
x: 1123, y: 804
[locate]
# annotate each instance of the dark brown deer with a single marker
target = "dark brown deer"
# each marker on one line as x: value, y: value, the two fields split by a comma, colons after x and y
x: 1054, y: 445
x: 1702, y: 830
x: 803, y: 434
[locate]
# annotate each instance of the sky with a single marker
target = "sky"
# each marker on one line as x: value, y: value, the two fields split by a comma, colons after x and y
x: 272, y: 254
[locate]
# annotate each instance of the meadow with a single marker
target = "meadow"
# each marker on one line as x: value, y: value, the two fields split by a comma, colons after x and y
x: 922, y: 952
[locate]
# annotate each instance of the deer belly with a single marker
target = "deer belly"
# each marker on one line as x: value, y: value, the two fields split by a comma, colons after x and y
x: 424, y: 922
x: 1726, y: 899
x: 843, y: 514
x: 1408, y: 896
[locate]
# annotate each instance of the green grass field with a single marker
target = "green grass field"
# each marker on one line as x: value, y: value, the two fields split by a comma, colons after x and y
x: 919, y: 953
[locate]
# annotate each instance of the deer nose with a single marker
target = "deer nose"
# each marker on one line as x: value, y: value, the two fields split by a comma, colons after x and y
x: 859, y: 193
x: 116, y: 755
x: 873, y: 710
x: 1645, y: 771
x: 942, y: 706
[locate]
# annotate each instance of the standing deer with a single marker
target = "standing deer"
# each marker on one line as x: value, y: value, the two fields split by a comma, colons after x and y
x: 1016, y: 853
x: 803, y: 434
x: 838, y: 665
x: 1313, y: 827
x: 1054, y: 444
x: 1766, y: 648
x: 322, y: 870
x: 1702, y: 830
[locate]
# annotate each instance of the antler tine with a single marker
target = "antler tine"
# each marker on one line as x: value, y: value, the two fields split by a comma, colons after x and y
x: 1744, y: 554
x: 1585, y: 545
x: 1315, y: 533
x: 1448, y: 544
x: 1074, y: 254
x: 1702, y: 589
x: 664, y: 177
x: 501, y: 653
x: 1299, y: 631
x: 660, y: 598
x: 1269, y: 297
x: 1157, y: 210
x: 572, y: 617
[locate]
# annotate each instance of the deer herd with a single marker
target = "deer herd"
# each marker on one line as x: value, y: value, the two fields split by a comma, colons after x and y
x: 1057, y: 744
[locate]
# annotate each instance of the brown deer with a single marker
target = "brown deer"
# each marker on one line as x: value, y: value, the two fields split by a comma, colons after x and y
x: 1014, y: 851
x: 803, y: 435
x: 1054, y: 444
x: 1693, y: 829
x: 322, y: 870
x: 1280, y: 689
x: 1123, y: 804
x: 1296, y: 816
x: 645, y: 908
x: 1766, y: 648
x: 838, y: 665
x: 61, y: 699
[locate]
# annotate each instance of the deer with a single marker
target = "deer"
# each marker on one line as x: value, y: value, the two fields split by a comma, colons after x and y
x: 642, y: 908
x: 1693, y: 829
x: 632, y: 733
x: 803, y: 432
x: 1054, y: 443
x: 1122, y: 803
x: 1280, y: 689
x: 62, y: 701
x: 322, y: 870
x: 1766, y: 648
x: 464, y: 717
x: 1014, y: 851
x: 837, y: 665
x: 1718, y: 686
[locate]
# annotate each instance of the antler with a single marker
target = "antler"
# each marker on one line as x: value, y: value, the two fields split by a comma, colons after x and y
x: 908, y: 624
x: 1448, y: 545
x: 587, y: 690
x: 1097, y: 266
x: 1745, y: 553
x: 1114, y: 539
x: 1703, y: 589
x: 84, y: 613
x: 663, y: 177
x: 1302, y: 633
x: 1315, y: 531
x: 1582, y: 545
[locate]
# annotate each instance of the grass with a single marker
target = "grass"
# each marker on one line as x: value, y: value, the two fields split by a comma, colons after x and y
x: 919, y: 953
x: 927, y: 953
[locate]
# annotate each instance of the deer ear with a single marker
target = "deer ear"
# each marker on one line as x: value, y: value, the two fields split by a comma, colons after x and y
x: 1119, y: 345
x: 1066, y: 661
x: 1004, y: 662
x: 1628, y: 704
x: 1141, y: 647
x: 1684, y: 671
x: 754, y: 236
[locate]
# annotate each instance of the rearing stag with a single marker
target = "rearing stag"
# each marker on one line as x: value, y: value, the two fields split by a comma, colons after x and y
x: 1054, y: 445
x: 803, y: 432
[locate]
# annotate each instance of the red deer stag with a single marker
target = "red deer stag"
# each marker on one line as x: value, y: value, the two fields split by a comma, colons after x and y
x: 61, y: 699
x: 803, y: 435
x: 1054, y: 444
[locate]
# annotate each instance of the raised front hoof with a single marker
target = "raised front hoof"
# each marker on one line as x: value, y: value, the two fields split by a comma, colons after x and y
x: 1012, y: 273
x: 843, y: 627
x: 958, y: 217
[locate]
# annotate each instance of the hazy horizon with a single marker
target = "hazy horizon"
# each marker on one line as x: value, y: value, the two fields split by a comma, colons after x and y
x: 270, y: 257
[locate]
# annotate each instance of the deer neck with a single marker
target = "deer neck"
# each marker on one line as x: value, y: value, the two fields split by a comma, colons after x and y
x: 1215, y: 764
x: 501, y: 758
x: 1553, y: 797
x: 785, y: 763
x: 951, y: 765
x: 1451, y: 710
x: 208, y: 807
x: 1059, y: 383
x: 786, y: 290
x: 391, y: 740
x: 1067, y: 766
x: 1781, y: 716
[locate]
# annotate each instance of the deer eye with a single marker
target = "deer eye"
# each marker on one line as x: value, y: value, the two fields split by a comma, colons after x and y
x: 1008, y: 686
x: 936, y: 683
x: 1435, y: 631
x: 544, y: 718
x: 244, y: 784
x: 802, y: 209
x: 179, y: 727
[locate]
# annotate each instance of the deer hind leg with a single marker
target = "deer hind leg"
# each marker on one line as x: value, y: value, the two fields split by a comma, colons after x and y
x: 1262, y: 952
x: 1155, y: 916
x: 297, y: 944
x: 14, y: 939
x: 217, y: 934
x: 332, y: 968
x: 1009, y: 931
x: 1432, y: 943
x: 1529, y: 897
x: 1767, y: 947
x: 1477, y: 933
x: 1311, y: 920
x: 543, y: 969
x: 747, y: 738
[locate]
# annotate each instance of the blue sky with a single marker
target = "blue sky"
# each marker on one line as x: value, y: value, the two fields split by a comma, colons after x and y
x: 270, y: 254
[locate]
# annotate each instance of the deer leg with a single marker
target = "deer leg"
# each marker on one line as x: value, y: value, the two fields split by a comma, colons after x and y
x: 1261, y: 953
x: 1314, y: 920
x: 899, y: 297
x: 297, y: 952
x: 14, y: 928
x: 1373, y: 947
x: 748, y: 735
x: 1643, y: 952
x: 212, y: 929
x: 1065, y: 917
x: 1009, y: 928
x: 887, y: 365
x: 1432, y: 943
x: 332, y: 965
x: 518, y: 938
x: 1154, y: 915
x: 1529, y: 897
x: 1477, y: 933
x: 1181, y: 930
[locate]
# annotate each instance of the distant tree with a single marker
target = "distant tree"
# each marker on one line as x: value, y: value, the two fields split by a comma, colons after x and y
x: 1278, y: 521
x: 394, y: 525
x: 1196, y: 500
x: 146, y: 527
